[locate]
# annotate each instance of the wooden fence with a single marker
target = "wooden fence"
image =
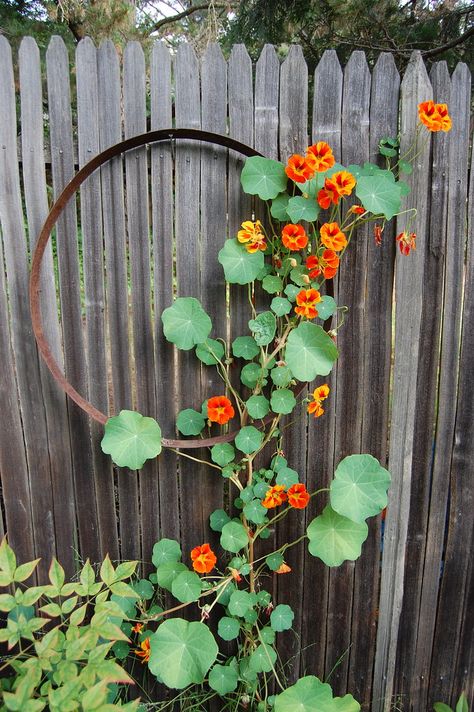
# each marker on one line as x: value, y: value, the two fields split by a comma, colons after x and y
x: 401, y: 617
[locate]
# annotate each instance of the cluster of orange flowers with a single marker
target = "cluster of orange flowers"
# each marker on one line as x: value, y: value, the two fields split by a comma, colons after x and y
x: 297, y: 496
x: 434, y: 116
x: 220, y: 410
x: 319, y: 394
x: 251, y: 235
x: 337, y: 186
x: 318, y: 159
x: 203, y: 559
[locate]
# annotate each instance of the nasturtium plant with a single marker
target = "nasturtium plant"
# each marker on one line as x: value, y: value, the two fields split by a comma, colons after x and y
x: 334, y: 538
x: 359, y: 487
x: 240, y: 266
x: 263, y: 177
x: 131, y: 439
x: 185, y: 323
x: 310, y: 352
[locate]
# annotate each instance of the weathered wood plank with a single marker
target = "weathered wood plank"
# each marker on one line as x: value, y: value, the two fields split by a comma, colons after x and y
x: 59, y: 103
x: 426, y: 406
x: 136, y: 167
x: 94, y: 290
x: 327, y: 101
x: 24, y: 348
x: 415, y: 87
x: 267, y: 91
x: 36, y: 201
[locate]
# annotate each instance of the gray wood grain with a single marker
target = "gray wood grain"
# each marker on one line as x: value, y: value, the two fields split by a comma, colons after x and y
x: 36, y: 202
x: 415, y: 87
x: 327, y: 101
x: 59, y: 103
x: 267, y: 99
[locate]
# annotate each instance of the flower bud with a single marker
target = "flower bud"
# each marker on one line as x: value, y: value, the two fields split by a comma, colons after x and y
x: 306, y: 279
x: 293, y: 262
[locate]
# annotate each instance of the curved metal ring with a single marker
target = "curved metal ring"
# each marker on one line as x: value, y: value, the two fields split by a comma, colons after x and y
x: 45, y: 234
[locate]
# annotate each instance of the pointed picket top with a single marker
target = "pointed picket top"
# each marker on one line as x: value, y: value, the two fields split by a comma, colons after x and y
x: 385, y: 65
x: 28, y: 47
x: 355, y: 109
x: 327, y: 101
x: 240, y: 88
x: 187, y: 88
x: 160, y: 86
x: 213, y: 55
x: 415, y: 88
x: 56, y: 47
x: 267, y: 90
x: 268, y: 57
x: 293, y: 103
x: 385, y: 89
x: 239, y: 55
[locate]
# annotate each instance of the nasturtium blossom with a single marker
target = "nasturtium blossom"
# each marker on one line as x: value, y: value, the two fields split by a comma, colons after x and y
x: 219, y: 410
x: 357, y: 209
x: 344, y: 182
x: 298, y: 496
x: 137, y: 628
x: 251, y: 236
x: 332, y: 237
x: 275, y: 496
x: 378, y: 230
x: 143, y: 651
x: 319, y: 394
x: 406, y: 242
x: 320, y: 155
x: 328, y: 194
x: 306, y: 301
x: 203, y: 559
x: 294, y: 237
x: 283, y: 569
x: 326, y: 263
x: 434, y: 116
x: 299, y: 168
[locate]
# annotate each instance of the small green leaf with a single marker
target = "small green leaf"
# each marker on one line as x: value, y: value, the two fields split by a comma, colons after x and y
x: 263, y: 177
x: 280, y: 306
x: 234, y: 537
x: 310, y: 352
x: 287, y: 477
x: 223, y: 679
x: 144, y: 589
x: 441, y: 707
x: 300, y: 208
x: 166, y: 573
x: 405, y: 167
x: 267, y: 634
x: 186, y: 587
x: 249, y: 439
x: 263, y: 328
x: 7, y: 563
x: 251, y: 374
x: 263, y: 658
x: 210, y: 351
x: 228, y: 628
x: 291, y: 292
x: 255, y: 512
x: 164, y: 551
x: 222, y: 454
x: 218, y: 519
x: 359, y: 487
x: 462, y: 705
x: 282, y: 401
x: 334, y: 538
x: 131, y: 439
x: 240, y: 602
x: 274, y: 561
x: 281, y: 376
x: 309, y: 694
x: 389, y: 152
x: 272, y: 284
x: 56, y: 574
x: 240, y: 266
x: 278, y: 207
x: 24, y: 571
x: 257, y: 406
x: 190, y: 422
x: 281, y: 618
x: 326, y: 307
x: 185, y: 323
x: 245, y: 347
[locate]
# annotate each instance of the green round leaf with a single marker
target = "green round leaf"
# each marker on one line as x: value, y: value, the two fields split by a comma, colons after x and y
x: 282, y: 401
x: 379, y: 195
x: 223, y: 679
x: 165, y: 550
x: 263, y: 177
x: 309, y: 694
x: 245, y: 347
x: 131, y: 439
x: 278, y: 207
x: 326, y: 307
x: 310, y: 352
x: 334, y: 539
x: 222, y: 454
x: 246, y: 494
x: 240, y: 266
x: 263, y: 658
x: 359, y: 488
x: 255, y: 511
x: 166, y: 573
x: 218, y: 519
x: 209, y: 350
x: 260, y: 489
x: 281, y: 376
x: 298, y: 275
x: 267, y: 634
x: 251, y: 374
x: 280, y: 306
x: 274, y: 561
x: 257, y: 406
x: 144, y: 589
x: 228, y: 628
x: 190, y: 422
x: 281, y: 618
x: 234, y: 537
x: 249, y: 439
x: 263, y: 328
x: 186, y: 587
x: 181, y: 653
x: 405, y: 167
x: 272, y: 284
x: 239, y: 603
x: 185, y: 323
x: 287, y: 477
x: 300, y: 208
x: 291, y: 292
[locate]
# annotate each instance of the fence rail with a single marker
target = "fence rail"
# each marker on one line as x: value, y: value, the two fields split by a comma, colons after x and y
x: 146, y: 227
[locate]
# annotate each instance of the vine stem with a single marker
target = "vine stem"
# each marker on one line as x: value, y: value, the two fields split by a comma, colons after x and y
x: 196, y: 459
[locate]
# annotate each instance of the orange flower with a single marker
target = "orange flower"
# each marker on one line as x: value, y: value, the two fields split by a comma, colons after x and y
x: 434, y: 116
x: 275, y: 496
x: 358, y: 209
x: 299, y: 168
x: 406, y: 242
x: 378, y: 230
x: 327, y: 263
x: 252, y: 236
x: 220, y: 410
x: 294, y: 237
x: 298, y: 497
x: 332, y: 237
x: 321, y: 156
x: 344, y: 182
x: 203, y: 559
x: 319, y: 394
x: 283, y: 569
x: 328, y: 194
x: 235, y: 574
x: 315, y: 408
x: 143, y: 651
x: 137, y: 628
x: 306, y: 300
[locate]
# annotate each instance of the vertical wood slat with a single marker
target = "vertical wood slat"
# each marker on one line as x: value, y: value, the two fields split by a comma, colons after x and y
x: 112, y: 190
x: 136, y: 167
x: 409, y: 681
x: 293, y: 133
x: 163, y: 246
x: 267, y: 87
x: 62, y: 163
x: 327, y: 102
x: 94, y: 290
x: 36, y: 201
x: 415, y: 87
x: 25, y: 355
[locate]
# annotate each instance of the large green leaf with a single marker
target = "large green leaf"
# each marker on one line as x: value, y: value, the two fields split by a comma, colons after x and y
x: 234, y: 537
x: 309, y: 694
x: 181, y: 653
x: 131, y: 439
x: 282, y: 401
x: 300, y: 208
x: 263, y: 177
x: 281, y: 618
x: 240, y: 266
x: 257, y: 406
x: 190, y: 422
x: 359, y: 487
x: 334, y: 539
x: 379, y: 195
x: 245, y: 347
x: 223, y: 679
x: 228, y: 628
x: 310, y: 352
x: 222, y: 454
x: 263, y: 328
x: 186, y: 587
x: 185, y: 323
x: 166, y: 550
x: 248, y: 439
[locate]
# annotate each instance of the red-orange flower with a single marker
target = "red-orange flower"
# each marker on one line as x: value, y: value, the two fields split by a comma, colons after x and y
x: 332, y: 237
x: 321, y: 156
x: 358, y: 209
x: 203, y: 559
x: 344, y: 182
x: 378, y: 230
x: 327, y: 264
x: 315, y: 408
x: 299, y: 168
x: 328, y: 194
x: 306, y: 301
x: 220, y: 410
x: 137, y: 628
x: 275, y: 496
x: 434, y: 116
x: 283, y: 569
x: 298, y: 497
x: 319, y: 394
x: 251, y: 236
x: 406, y: 242
x: 294, y: 237
x: 143, y: 651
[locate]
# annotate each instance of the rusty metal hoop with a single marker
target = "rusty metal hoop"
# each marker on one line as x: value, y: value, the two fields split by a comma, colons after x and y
x: 45, y: 234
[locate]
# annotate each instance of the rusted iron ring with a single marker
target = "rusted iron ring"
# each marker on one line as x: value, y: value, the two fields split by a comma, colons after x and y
x: 45, y: 234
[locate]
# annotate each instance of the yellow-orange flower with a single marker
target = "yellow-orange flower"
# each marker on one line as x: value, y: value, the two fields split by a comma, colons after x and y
x: 344, y: 182
x: 283, y: 569
x: 251, y: 236
x: 298, y: 497
x: 306, y: 301
x: 143, y: 651
x: 294, y: 237
x: 406, y: 242
x: 275, y: 496
x: 220, y: 410
x: 328, y: 194
x: 203, y: 559
x: 299, y: 168
x: 332, y: 237
x: 434, y: 116
x: 319, y: 394
x: 357, y: 209
x: 320, y: 154
x: 137, y: 628
x: 326, y: 263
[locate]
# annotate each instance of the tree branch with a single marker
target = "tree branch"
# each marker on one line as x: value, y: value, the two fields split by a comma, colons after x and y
x: 181, y: 15
x: 449, y: 45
